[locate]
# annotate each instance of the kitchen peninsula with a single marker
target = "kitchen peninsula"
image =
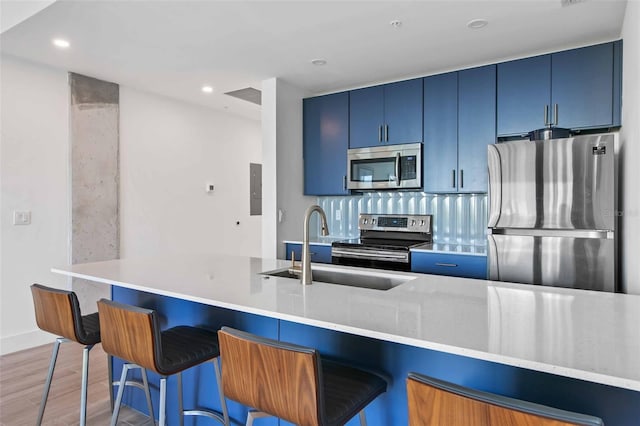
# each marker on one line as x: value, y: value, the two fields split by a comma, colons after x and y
x: 573, y: 349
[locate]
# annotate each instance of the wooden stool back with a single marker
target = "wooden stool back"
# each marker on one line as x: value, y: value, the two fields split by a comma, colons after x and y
x: 436, y: 403
x: 277, y: 378
x: 128, y: 332
x: 54, y: 311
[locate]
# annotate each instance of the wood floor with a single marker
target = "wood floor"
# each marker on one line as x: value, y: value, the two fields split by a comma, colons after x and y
x: 22, y: 376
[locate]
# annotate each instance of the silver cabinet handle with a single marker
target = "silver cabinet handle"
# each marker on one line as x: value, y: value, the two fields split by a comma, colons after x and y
x: 453, y: 178
x: 344, y: 182
x: 379, y: 133
x: 448, y: 265
x: 386, y: 133
x: 546, y: 115
x: 397, y: 169
x: 555, y: 114
x: 461, y: 178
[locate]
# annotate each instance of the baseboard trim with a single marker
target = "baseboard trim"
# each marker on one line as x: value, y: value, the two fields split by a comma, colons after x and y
x: 19, y: 342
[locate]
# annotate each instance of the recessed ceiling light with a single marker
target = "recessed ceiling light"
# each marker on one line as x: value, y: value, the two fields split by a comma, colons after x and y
x: 207, y: 89
x: 476, y: 24
x: 319, y: 61
x: 61, y: 43
x: 396, y: 24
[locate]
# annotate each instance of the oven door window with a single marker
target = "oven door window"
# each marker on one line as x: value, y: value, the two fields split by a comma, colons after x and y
x: 374, y: 170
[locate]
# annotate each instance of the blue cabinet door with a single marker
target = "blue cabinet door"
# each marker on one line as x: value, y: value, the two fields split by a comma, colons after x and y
x: 582, y: 86
x: 325, y: 144
x: 454, y: 265
x: 366, y: 117
x: 403, y: 112
x: 476, y: 126
x: 440, y: 133
x: 320, y: 253
x: 524, y: 89
x: 387, y: 114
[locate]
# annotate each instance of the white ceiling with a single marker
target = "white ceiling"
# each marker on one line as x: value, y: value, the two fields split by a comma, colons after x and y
x: 174, y: 47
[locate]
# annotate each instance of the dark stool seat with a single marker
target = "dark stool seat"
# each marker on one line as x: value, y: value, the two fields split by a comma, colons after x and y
x: 434, y: 402
x: 88, y: 332
x: 133, y: 334
x: 58, y: 312
x: 293, y: 382
x: 183, y: 347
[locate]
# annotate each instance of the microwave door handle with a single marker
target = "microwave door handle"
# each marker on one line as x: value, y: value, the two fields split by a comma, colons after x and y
x: 398, y: 169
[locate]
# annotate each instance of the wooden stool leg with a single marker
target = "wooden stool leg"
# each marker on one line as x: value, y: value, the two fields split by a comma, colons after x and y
x: 163, y: 402
x: 85, y: 383
x: 223, y: 401
x: 47, y: 383
x: 253, y: 414
x: 110, y: 373
x: 147, y: 393
x: 180, y: 404
x: 363, y: 418
x: 123, y: 381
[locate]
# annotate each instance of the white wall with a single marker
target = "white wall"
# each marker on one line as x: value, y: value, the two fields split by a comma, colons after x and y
x: 283, y: 166
x: 629, y: 202
x: 168, y: 151
x: 34, y: 171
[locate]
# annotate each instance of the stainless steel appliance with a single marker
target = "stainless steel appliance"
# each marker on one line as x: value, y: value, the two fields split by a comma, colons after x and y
x: 385, y: 241
x: 552, y: 212
x: 385, y: 167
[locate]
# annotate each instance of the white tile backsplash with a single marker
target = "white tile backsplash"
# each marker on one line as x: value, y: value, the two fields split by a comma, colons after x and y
x: 457, y: 218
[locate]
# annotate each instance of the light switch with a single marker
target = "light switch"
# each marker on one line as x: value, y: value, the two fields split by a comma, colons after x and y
x: 22, y: 217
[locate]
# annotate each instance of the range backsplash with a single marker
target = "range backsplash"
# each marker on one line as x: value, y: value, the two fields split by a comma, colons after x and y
x: 457, y: 218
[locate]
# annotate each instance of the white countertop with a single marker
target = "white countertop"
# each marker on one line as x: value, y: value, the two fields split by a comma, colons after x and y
x: 587, y: 335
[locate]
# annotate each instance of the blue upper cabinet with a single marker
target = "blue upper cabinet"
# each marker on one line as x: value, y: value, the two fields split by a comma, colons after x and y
x: 459, y: 123
x: 524, y: 89
x: 576, y: 89
x: 476, y: 126
x: 387, y: 114
x: 441, y: 133
x: 582, y: 87
x: 366, y: 117
x: 325, y: 144
x: 403, y: 112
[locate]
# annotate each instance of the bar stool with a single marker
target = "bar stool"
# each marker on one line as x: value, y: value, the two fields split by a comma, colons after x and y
x: 58, y: 312
x: 292, y: 382
x: 133, y: 334
x: 434, y: 402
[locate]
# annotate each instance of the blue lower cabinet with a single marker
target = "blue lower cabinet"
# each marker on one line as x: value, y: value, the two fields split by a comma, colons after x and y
x: 614, y: 405
x: 454, y: 265
x: 320, y: 253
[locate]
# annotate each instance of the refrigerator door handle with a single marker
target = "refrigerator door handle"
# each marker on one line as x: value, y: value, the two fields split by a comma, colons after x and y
x: 572, y: 233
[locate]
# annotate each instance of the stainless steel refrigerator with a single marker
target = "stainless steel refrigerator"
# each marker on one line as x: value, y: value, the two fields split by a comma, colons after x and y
x: 552, y: 212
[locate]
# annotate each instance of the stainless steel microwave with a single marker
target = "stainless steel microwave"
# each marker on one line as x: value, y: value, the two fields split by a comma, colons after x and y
x: 385, y: 167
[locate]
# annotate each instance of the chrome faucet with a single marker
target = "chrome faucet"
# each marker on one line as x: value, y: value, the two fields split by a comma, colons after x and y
x: 306, y: 256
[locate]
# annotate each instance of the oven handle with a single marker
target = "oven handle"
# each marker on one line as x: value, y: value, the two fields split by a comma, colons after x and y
x: 398, y: 169
x: 370, y: 254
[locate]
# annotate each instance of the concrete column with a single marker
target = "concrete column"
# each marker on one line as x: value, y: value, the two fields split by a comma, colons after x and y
x: 94, y: 139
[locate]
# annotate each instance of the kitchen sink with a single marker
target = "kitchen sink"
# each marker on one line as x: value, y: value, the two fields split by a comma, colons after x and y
x: 372, y: 280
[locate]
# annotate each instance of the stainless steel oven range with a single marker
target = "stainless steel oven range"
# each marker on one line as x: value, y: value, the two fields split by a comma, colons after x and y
x: 385, y: 241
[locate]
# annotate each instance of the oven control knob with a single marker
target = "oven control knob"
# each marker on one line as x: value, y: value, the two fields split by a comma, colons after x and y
x: 413, y: 222
x: 422, y: 223
x: 365, y: 221
x: 373, y: 221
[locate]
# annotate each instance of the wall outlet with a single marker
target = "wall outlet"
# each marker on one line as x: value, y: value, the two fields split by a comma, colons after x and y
x: 210, y: 187
x: 22, y: 217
